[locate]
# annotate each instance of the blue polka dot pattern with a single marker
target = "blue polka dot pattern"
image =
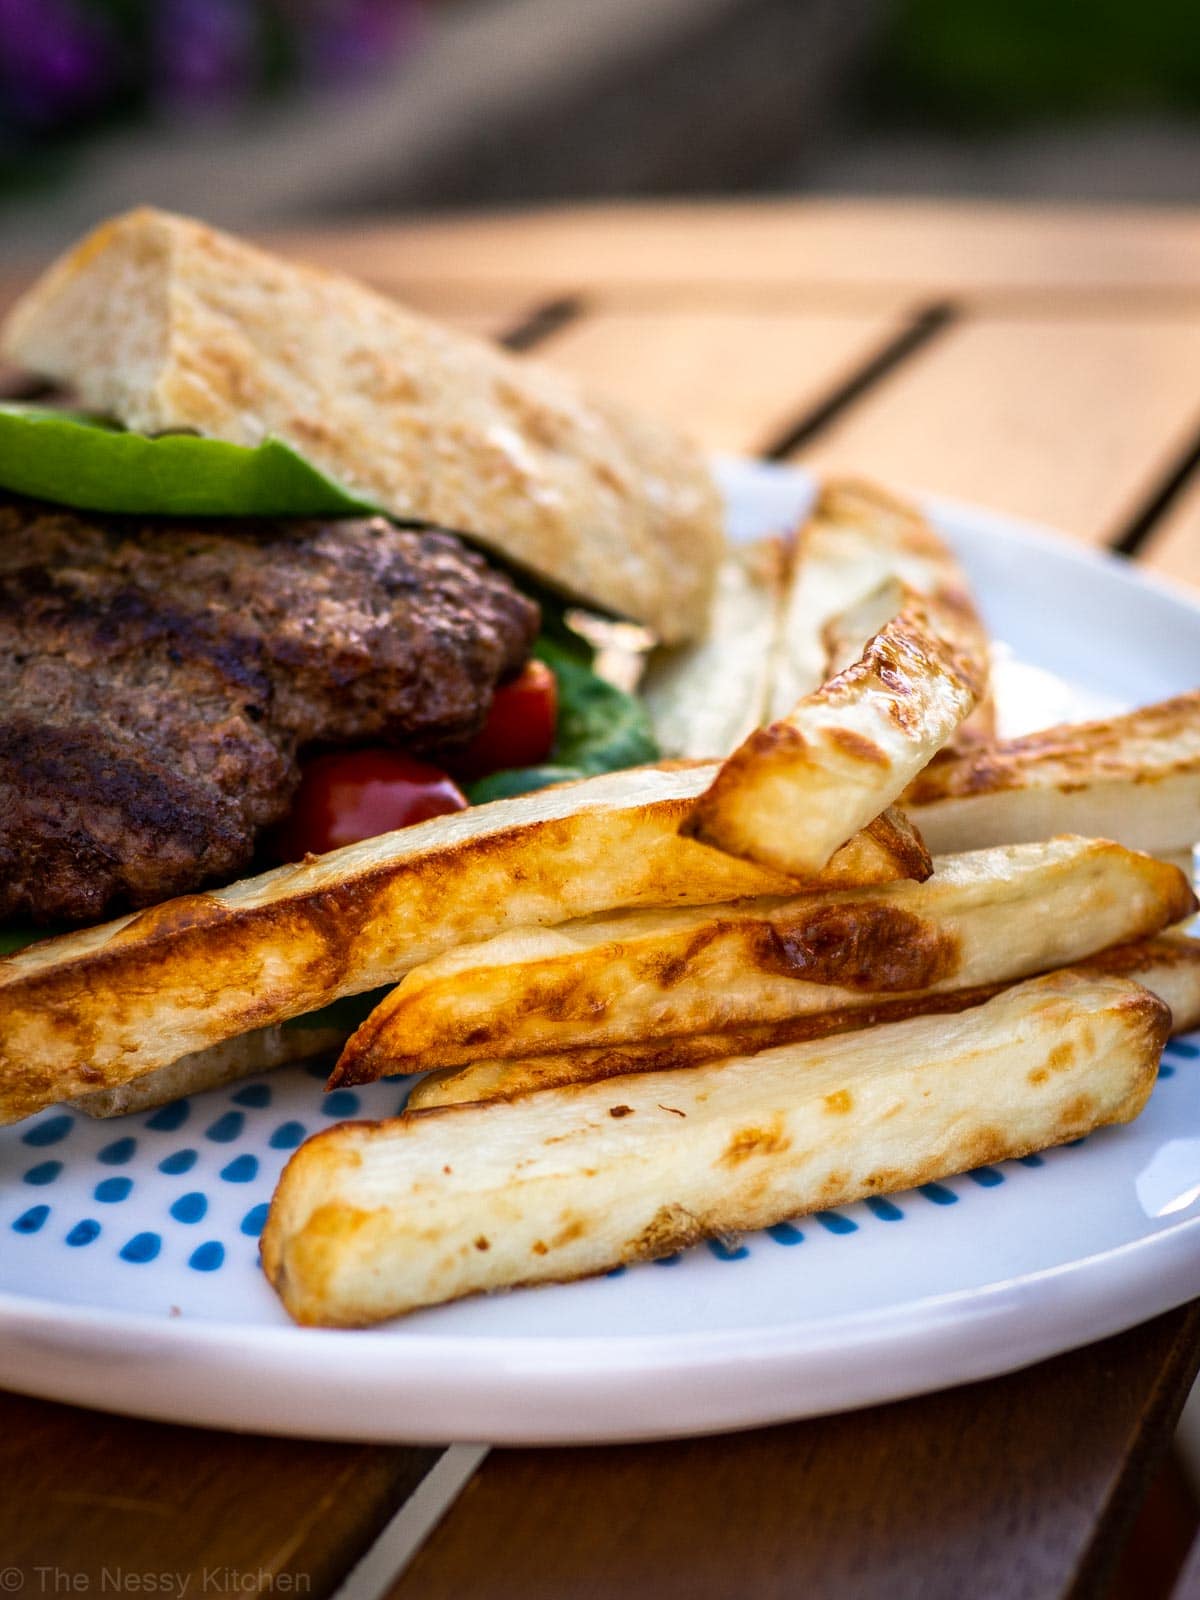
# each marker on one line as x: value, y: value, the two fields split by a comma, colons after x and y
x: 226, y: 1128
x: 668, y: 1261
x: 835, y: 1222
x: 727, y: 1252
x: 244, y: 1169
x: 111, y: 1190
x: 341, y: 1103
x: 45, y: 1172
x: 189, y: 1207
x: 885, y: 1210
x: 1031, y: 1161
x: 178, y: 1161
x: 938, y: 1194
x: 255, y: 1220
x: 167, y: 1118
x: 256, y: 1095
x: 117, y: 1153
x: 49, y: 1131
x: 30, y: 1221
x: 83, y: 1233
x: 287, y: 1136
x: 986, y: 1177
x: 207, y: 1257
x: 786, y: 1233
x: 141, y: 1248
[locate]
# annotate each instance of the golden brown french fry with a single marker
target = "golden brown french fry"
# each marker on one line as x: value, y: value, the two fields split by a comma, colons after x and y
x: 282, y: 1045
x: 1168, y: 965
x: 1134, y: 778
x: 371, y: 1220
x: 705, y: 697
x: 795, y: 791
x: 96, y: 1009
x: 862, y: 542
x: 988, y: 917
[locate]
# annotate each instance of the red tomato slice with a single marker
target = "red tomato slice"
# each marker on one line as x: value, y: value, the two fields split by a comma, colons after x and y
x: 350, y: 795
x: 519, y: 731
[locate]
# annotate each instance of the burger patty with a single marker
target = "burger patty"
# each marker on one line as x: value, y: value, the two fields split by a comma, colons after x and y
x: 160, y: 678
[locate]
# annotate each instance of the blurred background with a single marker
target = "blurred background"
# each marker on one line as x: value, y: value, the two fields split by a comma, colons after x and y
x: 278, y: 111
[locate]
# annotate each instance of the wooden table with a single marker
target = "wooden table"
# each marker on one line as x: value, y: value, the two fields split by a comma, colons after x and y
x: 1043, y: 362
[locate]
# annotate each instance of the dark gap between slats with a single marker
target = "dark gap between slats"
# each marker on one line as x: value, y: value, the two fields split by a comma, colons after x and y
x: 1129, y: 539
x: 924, y: 327
x: 542, y: 322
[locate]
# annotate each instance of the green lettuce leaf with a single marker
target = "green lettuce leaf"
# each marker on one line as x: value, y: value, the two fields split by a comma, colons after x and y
x: 79, y: 461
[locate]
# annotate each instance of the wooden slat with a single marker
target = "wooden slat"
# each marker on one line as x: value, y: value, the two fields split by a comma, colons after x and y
x: 732, y: 380
x: 932, y: 248
x: 84, y: 1492
x: 1024, y: 1486
x: 1173, y: 546
x: 1070, y: 422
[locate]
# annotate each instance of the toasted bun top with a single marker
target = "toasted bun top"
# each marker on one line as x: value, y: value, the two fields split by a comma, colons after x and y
x: 164, y: 323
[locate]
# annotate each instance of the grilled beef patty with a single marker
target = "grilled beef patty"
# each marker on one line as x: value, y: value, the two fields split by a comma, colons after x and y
x: 159, y: 679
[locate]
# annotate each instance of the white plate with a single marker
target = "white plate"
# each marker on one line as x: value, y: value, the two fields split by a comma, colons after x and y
x: 128, y: 1262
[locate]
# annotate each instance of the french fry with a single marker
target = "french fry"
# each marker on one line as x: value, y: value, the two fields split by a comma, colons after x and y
x: 95, y: 1009
x: 992, y: 916
x: 862, y: 542
x: 371, y: 1220
x: 1168, y: 965
x: 261, y: 1051
x: 846, y: 636
x: 1135, y: 778
x: 795, y: 791
x: 705, y: 697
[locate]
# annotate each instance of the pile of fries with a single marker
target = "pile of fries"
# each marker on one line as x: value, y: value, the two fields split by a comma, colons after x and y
x: 843, y: 941
x: 613, y: 1083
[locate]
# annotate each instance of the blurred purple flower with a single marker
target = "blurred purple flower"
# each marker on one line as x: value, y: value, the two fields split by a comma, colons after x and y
x: 348, y: 39
x: 204, y: 52
x: 62, y: 61
x: 57, y: 60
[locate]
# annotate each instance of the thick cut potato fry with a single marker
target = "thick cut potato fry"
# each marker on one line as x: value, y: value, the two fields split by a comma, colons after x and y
x: 1134, y: 778
x: 989, y: 917
x: 705, y: 697
x: 371, y: 1220
x: 243, y: 1057
x: 96, y: 1009
x: 862, y: 542
x: 1169, y: 966
x: 794, y: 792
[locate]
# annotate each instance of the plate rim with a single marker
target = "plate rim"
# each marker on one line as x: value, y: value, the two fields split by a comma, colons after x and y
x: 1118, y: 1283
x: 923, y: 1340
